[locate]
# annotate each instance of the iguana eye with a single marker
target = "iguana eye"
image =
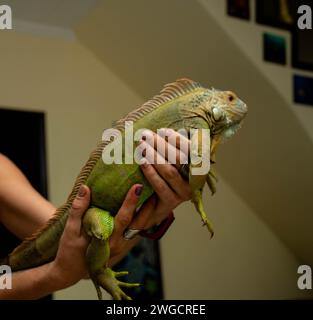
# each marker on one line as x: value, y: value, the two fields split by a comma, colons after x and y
x: 231, y: 98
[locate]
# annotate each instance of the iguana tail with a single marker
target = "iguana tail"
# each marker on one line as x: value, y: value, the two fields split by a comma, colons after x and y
x: 42, y: 246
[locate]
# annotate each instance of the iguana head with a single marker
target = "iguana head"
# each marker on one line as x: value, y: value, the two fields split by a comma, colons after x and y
x: 225, y: 112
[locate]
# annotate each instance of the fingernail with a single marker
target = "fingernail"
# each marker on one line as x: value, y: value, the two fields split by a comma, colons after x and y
x: 161, y: 132
x: 144, y: 162
x: 169, y: 132
x: 138, y: 190
x: 82, y: 191
x: 147, y: 134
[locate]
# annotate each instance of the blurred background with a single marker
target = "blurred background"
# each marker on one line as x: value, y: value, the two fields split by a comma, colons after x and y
x: 85, y: 63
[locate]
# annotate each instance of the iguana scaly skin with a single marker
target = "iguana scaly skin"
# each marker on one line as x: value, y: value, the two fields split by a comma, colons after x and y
x: 182, y: 104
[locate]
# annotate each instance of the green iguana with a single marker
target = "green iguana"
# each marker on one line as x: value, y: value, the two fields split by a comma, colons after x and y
x: 182, y: 104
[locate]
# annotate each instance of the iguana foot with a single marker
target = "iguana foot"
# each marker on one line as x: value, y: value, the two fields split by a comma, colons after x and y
x: 99, y: 225
x: 107, y: 280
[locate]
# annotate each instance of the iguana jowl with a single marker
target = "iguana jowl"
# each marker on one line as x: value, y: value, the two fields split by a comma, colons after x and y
x: 182, y: 104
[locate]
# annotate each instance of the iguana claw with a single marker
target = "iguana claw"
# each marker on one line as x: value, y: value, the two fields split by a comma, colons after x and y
x: 197, y: 200
x: 209, y: 226
x: 107, y: 280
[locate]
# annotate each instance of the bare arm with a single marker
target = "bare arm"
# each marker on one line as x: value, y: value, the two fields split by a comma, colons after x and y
x: 62, y: 272
x: 22, y: 209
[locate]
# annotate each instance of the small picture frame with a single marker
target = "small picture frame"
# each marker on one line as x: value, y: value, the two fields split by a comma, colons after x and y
x: 277, y: 13
x: 303, y: 90
x: 274, y: 48
x: 239, y: 9
x: 302, y: 49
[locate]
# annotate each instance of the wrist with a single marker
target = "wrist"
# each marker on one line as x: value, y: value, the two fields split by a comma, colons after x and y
x: 55, y: 277
x: 156, y: 232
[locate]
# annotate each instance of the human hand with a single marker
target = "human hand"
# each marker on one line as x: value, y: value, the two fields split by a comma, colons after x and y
x: 128, y: 218
x: 69, y: 265
x: 169, y: 186
x: 74, y: 241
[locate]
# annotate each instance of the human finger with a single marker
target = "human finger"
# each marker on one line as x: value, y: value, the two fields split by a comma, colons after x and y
x: 169, y: 152
x: 127, y: 210
x: 159, y: 185
x: 176, y: 139
x: 79, y: 206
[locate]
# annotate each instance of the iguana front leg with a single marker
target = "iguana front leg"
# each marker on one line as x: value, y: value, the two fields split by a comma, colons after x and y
x: 199, y: 169
x: 99, y: 226
x: 211, y: 179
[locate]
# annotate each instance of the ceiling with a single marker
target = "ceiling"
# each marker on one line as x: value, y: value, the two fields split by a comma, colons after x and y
x: 56, y: 13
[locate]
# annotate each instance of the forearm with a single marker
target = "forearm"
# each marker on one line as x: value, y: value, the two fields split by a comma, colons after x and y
x: 31, y: 284
x: 22, y: 209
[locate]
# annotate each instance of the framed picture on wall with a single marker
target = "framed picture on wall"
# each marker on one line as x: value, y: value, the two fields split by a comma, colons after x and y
x: 303, y: 90
x: 23, y: 141
x: 239, y: 9
x: 277, y: 13
x: 302, y: 49
x: 274, y: 48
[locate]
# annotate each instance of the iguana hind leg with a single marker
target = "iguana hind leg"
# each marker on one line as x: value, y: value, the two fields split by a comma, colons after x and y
x: 99, y: 226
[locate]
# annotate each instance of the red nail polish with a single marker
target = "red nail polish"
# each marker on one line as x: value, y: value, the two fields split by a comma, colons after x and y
x: 81, y: 192
x: 138, y: 190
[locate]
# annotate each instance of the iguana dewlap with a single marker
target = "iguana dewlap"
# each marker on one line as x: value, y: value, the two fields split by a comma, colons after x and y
x: 182, y: 104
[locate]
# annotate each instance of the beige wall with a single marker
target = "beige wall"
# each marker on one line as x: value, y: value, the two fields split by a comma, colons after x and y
x: 81, y: 97
x: 244, y: 260
x: 78, y: 94
x: 248, y: 36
